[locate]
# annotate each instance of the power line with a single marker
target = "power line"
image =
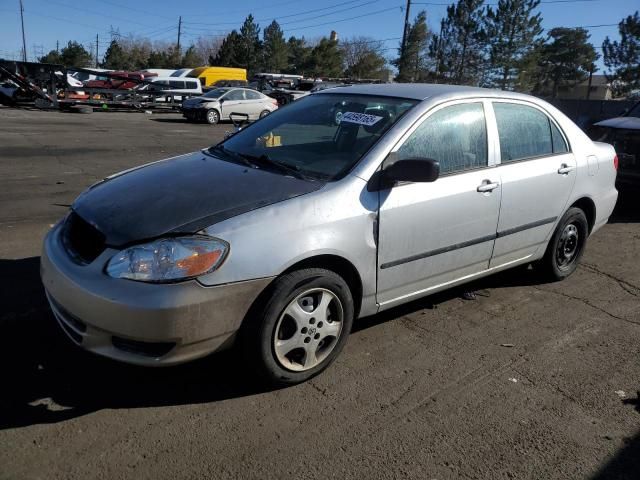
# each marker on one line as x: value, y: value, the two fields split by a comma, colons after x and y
x: 100, y: 14
x: 346, y: 19
x: 298, y: 14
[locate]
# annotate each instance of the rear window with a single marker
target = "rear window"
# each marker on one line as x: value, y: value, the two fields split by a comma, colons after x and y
x: 526, y: 132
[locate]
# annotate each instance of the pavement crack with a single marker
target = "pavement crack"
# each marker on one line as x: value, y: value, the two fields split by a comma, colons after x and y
x: 626, y: 286
x: 588, y: 303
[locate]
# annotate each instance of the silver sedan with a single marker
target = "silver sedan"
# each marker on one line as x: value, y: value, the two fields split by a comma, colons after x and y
x: 219, y: 103
x: 281, y: 236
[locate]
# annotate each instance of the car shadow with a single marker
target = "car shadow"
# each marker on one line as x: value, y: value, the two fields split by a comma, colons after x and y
x: 48, y: 379
x: 628, y: 206
x: 625, y: 464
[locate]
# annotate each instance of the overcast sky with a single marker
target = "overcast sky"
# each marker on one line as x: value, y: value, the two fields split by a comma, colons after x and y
x: 48, y: 21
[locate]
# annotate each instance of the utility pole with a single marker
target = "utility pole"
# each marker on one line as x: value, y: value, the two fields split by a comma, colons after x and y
x: 591, y: 68
x: 24, y: 42
x: 179, y: 31
x: 96, y: 50
x: 57, y: 46
x: 405, y: 33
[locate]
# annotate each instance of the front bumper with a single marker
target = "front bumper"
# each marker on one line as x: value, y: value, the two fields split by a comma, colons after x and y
x: 141, y: 323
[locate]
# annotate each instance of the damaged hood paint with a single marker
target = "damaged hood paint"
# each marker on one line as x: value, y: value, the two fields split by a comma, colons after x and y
x: 181, y: 195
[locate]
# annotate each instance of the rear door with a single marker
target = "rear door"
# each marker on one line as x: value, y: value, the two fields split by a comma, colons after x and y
x: 538, y: 172
x: 431, y: 234
x: 255, y: 103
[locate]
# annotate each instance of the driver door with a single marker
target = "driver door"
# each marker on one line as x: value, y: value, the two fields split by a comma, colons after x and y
x: 234, y: 102
x: 432, y: 234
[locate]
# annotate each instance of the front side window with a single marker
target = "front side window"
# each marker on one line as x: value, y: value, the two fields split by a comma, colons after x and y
x: 455, y: 136
x: 321, y: 136
x: 526, y: 132
x: 176, y: 84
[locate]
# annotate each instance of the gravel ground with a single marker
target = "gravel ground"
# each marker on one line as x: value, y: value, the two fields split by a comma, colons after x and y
x: 530, y: 380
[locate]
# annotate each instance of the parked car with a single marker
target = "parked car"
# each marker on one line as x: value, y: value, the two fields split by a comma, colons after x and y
x: 219, y: 103
x: 624, y: 134
x: 119, y: 80
x: 283, y: 234
x: 172, y: 87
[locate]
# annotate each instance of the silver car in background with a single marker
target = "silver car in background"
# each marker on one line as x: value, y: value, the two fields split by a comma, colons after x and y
x: 219, y: 103
x: 282, y: 235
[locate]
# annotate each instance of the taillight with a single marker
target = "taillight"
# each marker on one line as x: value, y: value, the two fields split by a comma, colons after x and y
x: 615, y: 162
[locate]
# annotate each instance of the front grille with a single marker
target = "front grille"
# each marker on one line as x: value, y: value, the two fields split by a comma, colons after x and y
x: 83, y: 241
x: 147, y: 349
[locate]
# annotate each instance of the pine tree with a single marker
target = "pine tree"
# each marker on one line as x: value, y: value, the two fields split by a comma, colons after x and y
x: 622, y: 58
x: 52, y: 57
x: 191, y: 59
x: 75, y: 55
x: 115, y: 57
x: 412, y: 62
x: 228, y: 53
x: 513, y: 29
x: 275, y: 49
x: 458, y: 50
x: 326, y: 59
x: 249, y: 46
x: 564, y: 60
x: 299, y: 54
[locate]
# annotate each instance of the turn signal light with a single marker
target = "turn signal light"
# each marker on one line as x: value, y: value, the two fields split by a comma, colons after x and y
x: 615, y: 162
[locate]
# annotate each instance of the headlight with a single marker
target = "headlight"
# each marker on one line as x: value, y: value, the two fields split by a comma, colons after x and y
x: 169, y: 259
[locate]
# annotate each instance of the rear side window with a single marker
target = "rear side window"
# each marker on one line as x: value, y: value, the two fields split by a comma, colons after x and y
x: 526, y: 132
x: 252, y: 95
x: 192, y: 85
x: 455, y: 136
x: 176, y: 83
x: 559, y: 144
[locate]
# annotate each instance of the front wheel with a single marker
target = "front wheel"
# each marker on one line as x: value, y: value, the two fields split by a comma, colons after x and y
x: 300, y: 328
x: 566, y: 245
x: 212, y: 116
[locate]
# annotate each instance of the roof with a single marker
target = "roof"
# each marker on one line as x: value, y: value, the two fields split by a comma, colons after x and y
x: 419, y: 91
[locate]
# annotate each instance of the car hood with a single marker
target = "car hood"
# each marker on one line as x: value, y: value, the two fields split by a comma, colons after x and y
x: 181, y: 195
x: 628, y: 123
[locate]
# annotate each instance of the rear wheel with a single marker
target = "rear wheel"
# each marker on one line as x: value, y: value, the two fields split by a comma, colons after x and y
x: 566, y: 245
x: 212, y: 116
x: 300, y: 328
x: 264, y: 113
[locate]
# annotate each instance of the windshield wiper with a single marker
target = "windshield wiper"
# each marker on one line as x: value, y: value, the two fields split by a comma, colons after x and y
x: 234, y: 155
x: 265, y: 161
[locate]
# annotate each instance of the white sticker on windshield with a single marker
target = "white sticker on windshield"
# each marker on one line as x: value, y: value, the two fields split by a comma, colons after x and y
x: 360, y: 118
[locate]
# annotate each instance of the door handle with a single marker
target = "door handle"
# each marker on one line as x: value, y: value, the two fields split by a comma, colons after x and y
x: 487, y: 186
x: 565, y: 169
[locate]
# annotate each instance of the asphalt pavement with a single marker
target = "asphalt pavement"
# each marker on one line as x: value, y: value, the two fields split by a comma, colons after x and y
x: 529, y: 380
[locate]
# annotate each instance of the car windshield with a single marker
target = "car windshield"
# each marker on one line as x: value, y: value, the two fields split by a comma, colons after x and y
x: 321, y: 136
x: 634, y: 111
x: 216, y: 93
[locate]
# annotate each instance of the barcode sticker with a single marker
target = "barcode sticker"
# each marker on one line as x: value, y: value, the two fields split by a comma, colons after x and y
x: 360, y: 118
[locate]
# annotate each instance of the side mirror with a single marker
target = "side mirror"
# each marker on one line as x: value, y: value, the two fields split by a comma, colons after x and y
x: 412, y: 170
x: 221, y: 100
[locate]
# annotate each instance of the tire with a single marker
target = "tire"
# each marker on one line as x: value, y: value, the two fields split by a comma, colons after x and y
x: 566, y: 246
x: 85, y: 109
x: 264, y: 113
x: 212, y: 116
x: 285, y: 350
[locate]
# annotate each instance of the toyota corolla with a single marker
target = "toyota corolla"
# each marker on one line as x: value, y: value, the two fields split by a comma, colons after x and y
x: 282, y: 235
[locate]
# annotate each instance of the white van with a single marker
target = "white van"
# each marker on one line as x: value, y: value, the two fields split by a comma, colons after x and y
x: 174, y: 86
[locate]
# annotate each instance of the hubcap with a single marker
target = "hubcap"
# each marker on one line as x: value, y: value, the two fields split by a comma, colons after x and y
x: 212, y: 116
x: 308, y: 329
x: 567, y: 246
